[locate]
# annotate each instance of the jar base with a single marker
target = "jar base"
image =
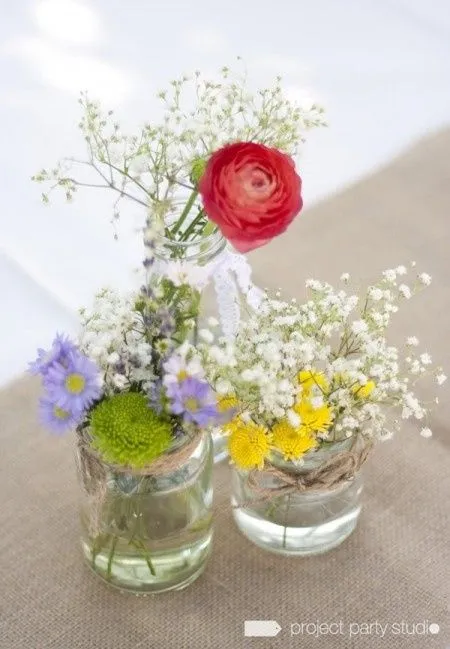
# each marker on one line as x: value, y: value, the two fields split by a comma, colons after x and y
x: 295, y: 541
x: 170, y: 571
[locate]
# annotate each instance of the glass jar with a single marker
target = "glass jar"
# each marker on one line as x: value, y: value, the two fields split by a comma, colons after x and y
x: 218, y: 296
x: 144, y: 532
x: 293, y: 522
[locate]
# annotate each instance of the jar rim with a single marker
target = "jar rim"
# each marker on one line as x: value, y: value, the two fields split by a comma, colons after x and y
x: 215, y: 236
x: 200, y: 250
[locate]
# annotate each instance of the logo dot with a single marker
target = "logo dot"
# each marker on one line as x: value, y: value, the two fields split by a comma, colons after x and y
x: 434, y: 628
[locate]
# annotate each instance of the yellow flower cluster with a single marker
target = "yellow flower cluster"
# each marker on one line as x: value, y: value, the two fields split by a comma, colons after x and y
x: 292, y: 442
x: 250, y: 443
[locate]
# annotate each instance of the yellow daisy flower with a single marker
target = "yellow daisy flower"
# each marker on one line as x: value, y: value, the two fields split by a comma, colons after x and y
x: 363, y: 391
x: 227, y: 402
x: 314, y: 419
x: 248, y: 443
x: 310, y: 378
x: 292, y: 442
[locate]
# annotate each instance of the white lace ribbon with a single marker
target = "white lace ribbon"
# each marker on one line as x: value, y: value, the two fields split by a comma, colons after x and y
x: 232, y: 276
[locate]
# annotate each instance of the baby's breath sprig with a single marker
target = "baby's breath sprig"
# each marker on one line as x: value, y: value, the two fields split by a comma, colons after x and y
x: 323, y: 371
x: 166, y: 159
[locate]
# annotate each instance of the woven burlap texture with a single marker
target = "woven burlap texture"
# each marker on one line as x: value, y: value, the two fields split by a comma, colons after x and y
x: 394, y: 568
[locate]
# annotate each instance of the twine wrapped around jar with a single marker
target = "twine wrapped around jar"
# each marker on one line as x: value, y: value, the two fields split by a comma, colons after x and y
x: 339, y: 469
x: 93, y: 471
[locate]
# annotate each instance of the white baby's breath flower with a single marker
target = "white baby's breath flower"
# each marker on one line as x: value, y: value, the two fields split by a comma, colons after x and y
x: 426, y: 432
x: 425, y: 359
x: 120, y: 381
x: 405, y: 291
x: 223, y: 386
x: 412, y: 341
x: 293, y: 418
x: 359, y: 326
x: 441, y: 378
x: 113, y: 358
x: 401, y: 270
x: 424, y: 279
x: 314, y: 284
x: 285, y: 385
x: 376, y: 293
x: 317, y: 401
x: 390, y: 275
x: 345, y: 277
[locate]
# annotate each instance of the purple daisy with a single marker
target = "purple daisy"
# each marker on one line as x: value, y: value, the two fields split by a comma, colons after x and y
x: 192, y: 398
x: 60, y: 350
x: 55, y: 418
x: 76, y: 386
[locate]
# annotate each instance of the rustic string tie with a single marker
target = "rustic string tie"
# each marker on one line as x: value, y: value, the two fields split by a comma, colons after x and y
x: 333, y: 473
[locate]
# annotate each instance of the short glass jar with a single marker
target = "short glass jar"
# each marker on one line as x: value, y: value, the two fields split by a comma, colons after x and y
x: 278, y: 516
x: 144, y: 531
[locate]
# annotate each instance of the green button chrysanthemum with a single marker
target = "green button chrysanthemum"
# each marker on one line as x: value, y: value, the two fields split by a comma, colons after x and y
x: 126, y: 431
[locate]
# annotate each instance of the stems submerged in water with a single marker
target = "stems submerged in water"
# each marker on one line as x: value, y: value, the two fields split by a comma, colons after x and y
x: 286, y: 513
x: 111, y: 557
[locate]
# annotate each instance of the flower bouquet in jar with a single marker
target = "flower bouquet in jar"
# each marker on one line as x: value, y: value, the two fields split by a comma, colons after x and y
x: 213, y: 170
x: 135, y: 393
x: 307, y: 390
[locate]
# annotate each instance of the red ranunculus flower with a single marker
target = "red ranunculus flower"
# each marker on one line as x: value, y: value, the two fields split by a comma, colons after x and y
x: 252, y: 192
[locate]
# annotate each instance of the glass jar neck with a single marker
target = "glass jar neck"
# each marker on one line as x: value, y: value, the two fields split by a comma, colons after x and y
x: 200, y: 250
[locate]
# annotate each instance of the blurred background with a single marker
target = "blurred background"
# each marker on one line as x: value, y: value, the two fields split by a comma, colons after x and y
x: 380, y: 68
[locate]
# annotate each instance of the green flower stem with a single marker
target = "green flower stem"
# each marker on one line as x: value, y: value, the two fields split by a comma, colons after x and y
x: 97, y: 545
x: 192, y: 226
x: 185, y: 212
x: 270, y: 510
x: 139, y: 545
x: 111, y: 557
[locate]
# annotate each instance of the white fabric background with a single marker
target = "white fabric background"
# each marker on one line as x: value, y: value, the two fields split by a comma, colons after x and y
x: 380, y: 67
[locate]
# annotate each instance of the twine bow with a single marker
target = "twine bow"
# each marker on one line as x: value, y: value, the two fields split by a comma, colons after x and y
x: 339, y: 469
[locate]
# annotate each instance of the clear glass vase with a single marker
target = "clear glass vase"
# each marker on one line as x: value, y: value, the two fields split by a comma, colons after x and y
x: 291, y: 522
x: 211, y: 254
x: 144, y: 532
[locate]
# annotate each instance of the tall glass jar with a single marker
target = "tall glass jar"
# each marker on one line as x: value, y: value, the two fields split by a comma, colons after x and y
x: 147, y: 532
x: 215, y: 296
x: 275, y: 515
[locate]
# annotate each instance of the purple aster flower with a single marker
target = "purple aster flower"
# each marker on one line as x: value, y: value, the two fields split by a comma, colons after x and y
x: 60, y: 350
x: 192, y: 398
x: 55, y: 418
x: 75, y: 387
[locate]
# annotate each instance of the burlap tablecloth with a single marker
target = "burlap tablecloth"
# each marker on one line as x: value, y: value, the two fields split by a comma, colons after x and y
x: 394, y: 569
